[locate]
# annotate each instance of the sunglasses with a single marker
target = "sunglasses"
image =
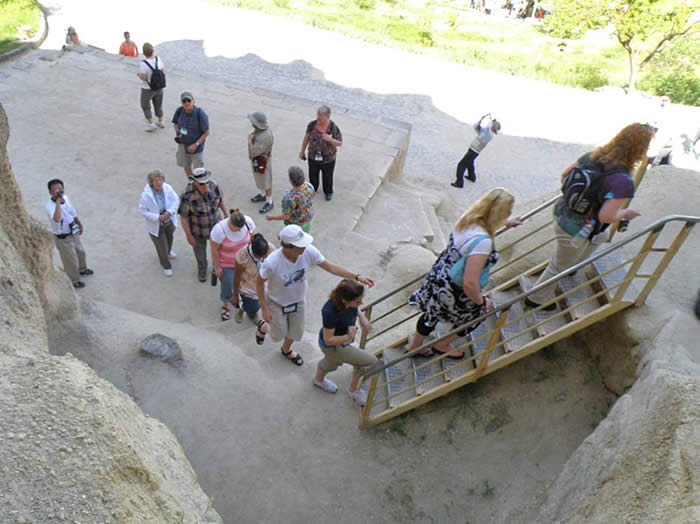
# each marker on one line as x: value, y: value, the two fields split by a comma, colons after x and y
x: 186, y: 100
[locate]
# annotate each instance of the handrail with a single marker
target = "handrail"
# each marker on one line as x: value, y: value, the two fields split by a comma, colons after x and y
x: 654, y: 227
x: 522, y: 218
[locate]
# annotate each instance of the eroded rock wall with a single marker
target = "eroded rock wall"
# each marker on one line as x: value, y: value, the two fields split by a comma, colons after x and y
x: 72, y: 447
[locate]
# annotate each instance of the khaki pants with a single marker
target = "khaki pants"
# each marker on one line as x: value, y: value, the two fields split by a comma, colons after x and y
x: 565, y: 256
x: 290, y: 325
x: 164, y: 244
x: 335, y: 356
x: 72, y: 256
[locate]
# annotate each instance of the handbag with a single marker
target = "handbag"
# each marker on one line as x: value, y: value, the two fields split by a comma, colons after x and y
x: 457, y: 270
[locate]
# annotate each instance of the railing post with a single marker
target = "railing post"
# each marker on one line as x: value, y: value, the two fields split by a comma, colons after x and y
x: 637, y: 179
x: 364, y: 416
x: 668, y: 256
x: 363, y: 336
x: 638, y: 260
x: 493, y: 340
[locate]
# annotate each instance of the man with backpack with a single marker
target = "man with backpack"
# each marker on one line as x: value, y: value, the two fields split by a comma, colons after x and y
x: 152, y: 73
x: 595, y: 190
x: 191, y: 130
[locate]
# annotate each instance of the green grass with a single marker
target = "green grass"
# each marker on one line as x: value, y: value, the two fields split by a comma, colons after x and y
x: 506, y: 45
x: 15, y: 13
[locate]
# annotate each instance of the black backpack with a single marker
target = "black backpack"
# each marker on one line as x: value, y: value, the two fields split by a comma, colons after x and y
x: 582, y: 188
x: 157, y: 80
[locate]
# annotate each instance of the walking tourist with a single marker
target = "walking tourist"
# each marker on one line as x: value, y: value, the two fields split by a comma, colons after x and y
x: 152, y: 74
x: 128, y: 47
x: 297, y: 201
x: 67, y: 228
x: 452, y: 291
x: 227, y: 238
x: 260, y: 152
x: 199, y: 213
x: 282, y: 286
x: 581, y: 217
x: 158, y: 205
x: 191, y: 130
x: 336, y: 339
x: 245, y: 298
x: 485, y: 128
x: 322, y: 140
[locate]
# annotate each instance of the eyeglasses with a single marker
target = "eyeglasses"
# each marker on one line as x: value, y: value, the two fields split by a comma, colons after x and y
x: 186, y: 100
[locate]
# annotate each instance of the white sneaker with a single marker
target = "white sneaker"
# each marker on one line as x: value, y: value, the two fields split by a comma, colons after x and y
x: 238, y: 317
x: 168, y: 272
x: 326, y: 385
x: 150, y: 127
x: 160, y: 124
x: 358, y: 396
x: 172, y: 254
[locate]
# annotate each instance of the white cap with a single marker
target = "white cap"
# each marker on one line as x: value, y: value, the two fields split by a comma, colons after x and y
x: 293, y: 234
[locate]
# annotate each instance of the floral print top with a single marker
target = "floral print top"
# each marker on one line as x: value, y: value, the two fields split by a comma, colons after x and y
x: 316, y: 142
x: 296, y: 204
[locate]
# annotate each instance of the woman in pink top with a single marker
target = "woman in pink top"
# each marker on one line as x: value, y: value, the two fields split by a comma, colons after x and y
x: 227, y: 238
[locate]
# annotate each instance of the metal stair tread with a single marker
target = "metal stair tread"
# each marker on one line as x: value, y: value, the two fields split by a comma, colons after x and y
x: 612, y: 279
x: 515, y: 311
x: 395, y: 371
x: 577, y: 297
x: 526, y: 284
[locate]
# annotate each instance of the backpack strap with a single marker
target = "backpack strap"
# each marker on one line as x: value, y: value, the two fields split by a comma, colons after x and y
x: 149, y: 65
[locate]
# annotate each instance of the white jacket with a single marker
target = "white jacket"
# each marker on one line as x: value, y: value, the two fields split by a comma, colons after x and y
x: 148, y: 207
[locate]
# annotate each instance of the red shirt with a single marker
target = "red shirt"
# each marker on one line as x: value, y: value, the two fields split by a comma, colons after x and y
x: 129, y: 49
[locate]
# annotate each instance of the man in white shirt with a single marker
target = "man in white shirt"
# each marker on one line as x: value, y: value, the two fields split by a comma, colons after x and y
x: 67, y: 228
x: 485, y: 128
x: 282, y: 286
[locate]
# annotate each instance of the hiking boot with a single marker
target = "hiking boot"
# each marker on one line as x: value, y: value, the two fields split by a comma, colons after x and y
x: 266, y: 208
x: 326, y: 385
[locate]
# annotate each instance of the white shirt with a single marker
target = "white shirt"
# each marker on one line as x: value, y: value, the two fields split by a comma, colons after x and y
x: 287, y: 281
x: 68, y: 214
x: 484, y: 137
x: 463, y: 240
x: 145, y: 70
x: 149, y: 208
x: 221, y: 231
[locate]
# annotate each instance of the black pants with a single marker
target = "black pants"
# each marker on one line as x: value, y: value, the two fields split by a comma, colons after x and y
x: 326, y: 171
x: 467, y: 163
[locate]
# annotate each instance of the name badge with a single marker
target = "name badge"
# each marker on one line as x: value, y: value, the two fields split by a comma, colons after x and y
x: 291, y: 308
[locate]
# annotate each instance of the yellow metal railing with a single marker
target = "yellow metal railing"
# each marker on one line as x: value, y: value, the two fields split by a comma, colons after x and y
x: 612, y: 297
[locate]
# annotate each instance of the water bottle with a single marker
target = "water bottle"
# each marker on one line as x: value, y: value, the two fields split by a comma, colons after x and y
x: 582, y: 236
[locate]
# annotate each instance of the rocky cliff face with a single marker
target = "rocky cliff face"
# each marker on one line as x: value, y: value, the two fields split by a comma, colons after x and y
x: 72, y: 447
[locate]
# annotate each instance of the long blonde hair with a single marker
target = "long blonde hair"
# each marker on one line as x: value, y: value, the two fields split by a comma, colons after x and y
x: 627, y: 148
x: 489, y: 212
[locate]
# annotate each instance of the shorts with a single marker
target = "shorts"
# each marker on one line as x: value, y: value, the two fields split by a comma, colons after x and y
x: 263, y: 182
x: 290, y: 325
x: 186, y: 160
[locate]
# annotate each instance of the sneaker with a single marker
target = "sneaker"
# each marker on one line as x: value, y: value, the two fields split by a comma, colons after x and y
x: 532, y: 305
x: 150, y: 127
x: 238, y: 317
x: 160, y: 124
x: 78, y: 284
x: 258, y: 198
x: 266, y: 208
x: 168, y: 272
x: 358, y: 396
x: 456, y: 184
x: 326, y: 385
x: 172, y: 254
x: 329, y: 197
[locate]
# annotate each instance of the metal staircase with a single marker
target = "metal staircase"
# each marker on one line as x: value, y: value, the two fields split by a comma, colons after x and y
x: 612, y: 279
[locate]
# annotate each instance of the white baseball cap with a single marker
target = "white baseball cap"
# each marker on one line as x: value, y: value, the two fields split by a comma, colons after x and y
x: 294, y: 235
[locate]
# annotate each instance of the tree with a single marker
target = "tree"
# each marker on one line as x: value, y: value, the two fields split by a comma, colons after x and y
x: 644, y: 28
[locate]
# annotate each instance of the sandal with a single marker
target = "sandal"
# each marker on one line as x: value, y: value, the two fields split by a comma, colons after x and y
x: 296, y: 360
x: 225, y: 313
x: 454, y: 357
x: 260, y: 335
x: 427, y: 353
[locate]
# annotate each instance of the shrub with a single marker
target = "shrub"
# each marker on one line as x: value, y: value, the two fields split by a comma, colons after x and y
x: 366, y: 4
x: 681, y: 88
x: 282, y: 4
x: 589, y: 76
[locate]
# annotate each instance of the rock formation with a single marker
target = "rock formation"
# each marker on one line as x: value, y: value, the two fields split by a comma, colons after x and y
x: 72, y: 447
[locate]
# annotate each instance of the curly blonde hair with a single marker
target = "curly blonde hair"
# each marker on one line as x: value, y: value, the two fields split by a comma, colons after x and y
x: 628, y: 148
x: 490, y: 211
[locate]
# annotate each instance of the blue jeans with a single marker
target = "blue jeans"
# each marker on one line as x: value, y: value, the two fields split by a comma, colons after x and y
x: 250, y: 305
x: 226, y: 289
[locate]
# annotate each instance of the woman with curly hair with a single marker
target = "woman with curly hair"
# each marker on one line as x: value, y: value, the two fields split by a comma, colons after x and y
x: 439, y: 298
x: 615, y: 160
